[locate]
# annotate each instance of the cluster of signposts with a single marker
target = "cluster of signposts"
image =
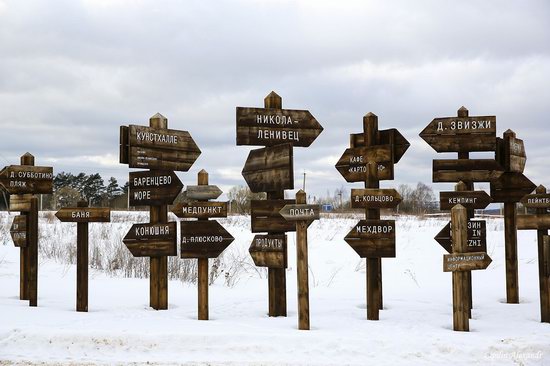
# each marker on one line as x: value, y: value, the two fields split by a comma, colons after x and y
x: 369, y: 159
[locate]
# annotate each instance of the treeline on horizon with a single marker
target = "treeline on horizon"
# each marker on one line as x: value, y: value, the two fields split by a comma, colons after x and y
x: 69, y: 188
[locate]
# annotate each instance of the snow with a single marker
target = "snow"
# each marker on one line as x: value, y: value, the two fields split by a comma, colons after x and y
x: 415, y: 326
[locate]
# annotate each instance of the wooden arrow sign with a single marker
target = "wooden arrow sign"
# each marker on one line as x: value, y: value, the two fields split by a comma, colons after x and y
x: 265, y: 216
x: 270, y: 169
x: 269, y: 251
x: 466, y: 170
x: 375, y: 198
x: 274, y: 126
x: 391, y: 137
x: 23, y: 179
x: 152, y: 240
x: 533, y: 222
x: 200, y: 210
x: 20, y: 203
x: 511, y: 187
x: 373, y: 238
x: 300, y: 212
x: 476, y: 239
x: 511, y: 153
x: 203, y: 192
x: 473, y: 200
x: 353, y: 163
x: 84, y: 214
x: 466, y: 261
x: 149, y: 188
x: 536, y: 200
x: 157, y: 148
x: 18, y: 231
x: 203, y: 239
x: 461, y: 134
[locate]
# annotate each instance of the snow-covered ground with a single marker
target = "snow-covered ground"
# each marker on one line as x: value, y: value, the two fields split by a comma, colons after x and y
x: 415, y: 326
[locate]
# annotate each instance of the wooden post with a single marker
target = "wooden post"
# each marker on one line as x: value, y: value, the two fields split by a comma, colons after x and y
x: 24, y: 261
x: 370, y: 129
x: 544, y: 274
x: 202, y: 281
x: 302, y: 266
x: 158, y: 281
x: 82, y: 263
x: 459, y: 224
x: 276, y: 276
x: 462, y: 186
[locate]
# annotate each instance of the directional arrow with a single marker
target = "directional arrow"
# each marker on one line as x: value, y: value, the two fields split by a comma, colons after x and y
x: 373, y: 238
x: 466, y: 170
x: 203, y: 192
x: 533, y: 222
x: 150, y: 188
x: 84, y: 214
x: 200, y: 210
x: 274, y: 126
x: 27, y: 179
x: 476, y: 237
x: 18, y: 231
x: 152, y: 240
x: 269, y: 251
x: 353, y: 163
x: 536, y: 200
x: 265, y: 216
x: 511, y: 187
x: 301, y: 212
x: 461, y: 134
x: 466, y: 261
x: 203, y: 239
x: 270, y: 169
x: 474, y: 200
x: 375, y: 198
x: 390, y: 136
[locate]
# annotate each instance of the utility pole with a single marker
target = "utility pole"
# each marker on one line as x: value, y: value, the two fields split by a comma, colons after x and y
x: 304, y: 183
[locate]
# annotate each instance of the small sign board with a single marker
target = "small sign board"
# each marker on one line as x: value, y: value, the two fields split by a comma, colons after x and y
x: 265, y: 216
x: 474, y: 200
x: 301, y: 212
x: 270, y: 169
x: 533, y: 222
x: 391, y: 136
x: 203, y: 192
x: 536, y: 200
x: 466, y: 170
x: 84, y: 214
x: 511, y: 187
x: 269, y: 251
x: 466, y: 261
x: 203, y: 239
x: 27, y: 179
x: 18, y: 231
x: 152, y: 240
x: 373, y: 238
x: 511, y: 153
x: 476, y: 237
x: 353, y: 163
x: 20, y: 203
x: 154, y: 187
x: 200, y: 210
x: 375, y: 198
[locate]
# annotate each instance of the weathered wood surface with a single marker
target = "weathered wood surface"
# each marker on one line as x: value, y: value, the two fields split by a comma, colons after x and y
x: 274, y: 126
x: 161, y: 139
x: 536, y: 200
x: 466, y: 170
x: 511, y: 187
x: 373, y: 238
x: 301, y: 212
x: 269, y: 251
x: 511, y: 152
x: 146, y: 158
x: 265, y: 216
x: 533, y: 222
x: 270, y: 169
x: 471, y: 200
x: 302, y: 266
x: 466, y: 261
x: 153, y: 188
x: 200, y: 210
x: 390, y: 136
x: 18, y: 231
x: 476, y: 237
x: 27, y: 179
x: 20, y: 202
x: 84, y: 214
x: 353, y: 163
x: 203, y: 239
x: 375, y: 198
x: 461, y: 280
x: 461, y: 134
x: 152, y: 240
x: 203, y: 192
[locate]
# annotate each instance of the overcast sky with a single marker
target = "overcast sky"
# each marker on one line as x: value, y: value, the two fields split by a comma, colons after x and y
x: 72, y: 72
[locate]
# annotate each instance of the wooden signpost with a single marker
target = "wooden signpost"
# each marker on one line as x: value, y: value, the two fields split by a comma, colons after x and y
x: 540, y: 221
x: 509, y: 189
x: 460, y: 262
x: 203, y: 239
x: 22, y: 182
x: 302, y: 215
x: 371, y: 158
x: 161, y: 150
x: 83, y: 215
x: 271, y: 170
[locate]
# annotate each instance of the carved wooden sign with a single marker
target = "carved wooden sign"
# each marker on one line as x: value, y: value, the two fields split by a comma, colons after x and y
x: 533, y: 222
x: 353, y: 163
x: 466, y: 170
x: 153, y: 188
x: 511, y: 153
x: 470, y: 199
x: 265, y: 216
x: 152, y: 240
x: 84, y: 214
x: 203, y: 239
x: 461, y: 134
x: 270, y: 169
x: 375, y: 198
x: 536, y: 200
x: 301, y: 212
x: 157, y: 148
x: 466, y: 261
x: 200, y: 210
x: 18, y: 231
x: 274, y: 126
x: 391, y: 136
x: 476, y: 237
x: 373, y: 238
x: 268, y: 251
x: 23, y: 179
x: 511, y: 187
x: 20, y: 203
x: 205, y: 192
